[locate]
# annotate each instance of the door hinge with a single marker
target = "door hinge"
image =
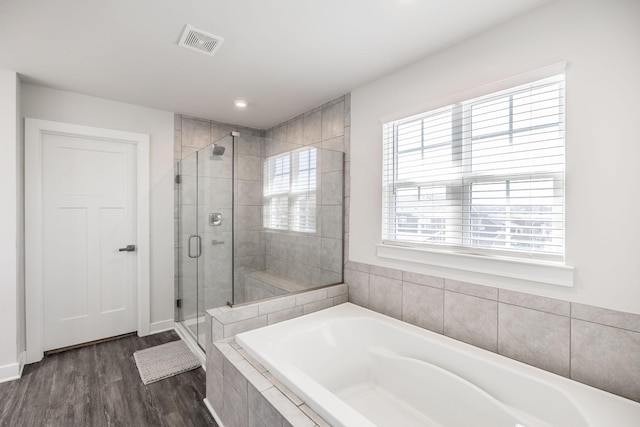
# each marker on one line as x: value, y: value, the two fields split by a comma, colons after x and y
x: 178, y: 179
x: 179, y: 303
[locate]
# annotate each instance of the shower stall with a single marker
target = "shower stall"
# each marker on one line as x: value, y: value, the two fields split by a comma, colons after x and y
x: 255, y: 218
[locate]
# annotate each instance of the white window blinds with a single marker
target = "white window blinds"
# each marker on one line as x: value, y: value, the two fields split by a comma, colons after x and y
x: 485, y: 175
x: 290, y: 191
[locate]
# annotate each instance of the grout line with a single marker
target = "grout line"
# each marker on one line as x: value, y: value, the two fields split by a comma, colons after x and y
x: 605, y: 325
x: 498, y: 326
x: 536, y: 309
x: 570, y: 340
x: 444, y: 313
x: 469, y: 295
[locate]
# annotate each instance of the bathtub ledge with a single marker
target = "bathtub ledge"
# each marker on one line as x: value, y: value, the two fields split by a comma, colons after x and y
x: 261, y: 396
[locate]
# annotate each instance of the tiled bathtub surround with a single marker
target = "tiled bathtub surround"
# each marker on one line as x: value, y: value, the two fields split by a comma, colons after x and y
x: 240, y: 390
x: 243, y: 393
x: 592, y: 345
x: 227, y: 322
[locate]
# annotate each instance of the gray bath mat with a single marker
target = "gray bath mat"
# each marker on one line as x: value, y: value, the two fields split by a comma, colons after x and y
x: 164, y: 361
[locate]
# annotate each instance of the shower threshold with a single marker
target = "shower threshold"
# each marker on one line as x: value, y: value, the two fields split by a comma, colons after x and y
x: 187, y: 330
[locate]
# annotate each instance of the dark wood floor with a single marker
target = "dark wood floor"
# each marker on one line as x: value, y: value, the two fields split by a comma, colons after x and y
x: 99, y: 385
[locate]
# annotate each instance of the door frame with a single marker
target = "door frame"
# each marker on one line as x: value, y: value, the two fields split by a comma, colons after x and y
x: 34, y: 304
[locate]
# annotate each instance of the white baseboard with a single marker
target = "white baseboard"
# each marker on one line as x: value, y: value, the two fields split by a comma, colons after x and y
x: 12, y: 371
x: 22, y: 360
x: 163, y: 325
x: 213, y: 412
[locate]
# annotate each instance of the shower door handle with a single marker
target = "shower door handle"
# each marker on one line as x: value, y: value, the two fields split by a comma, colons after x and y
x: 129, y: 248
x: 199, y: 247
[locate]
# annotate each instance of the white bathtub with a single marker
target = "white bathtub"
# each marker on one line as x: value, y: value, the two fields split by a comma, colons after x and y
x: 355, y: 367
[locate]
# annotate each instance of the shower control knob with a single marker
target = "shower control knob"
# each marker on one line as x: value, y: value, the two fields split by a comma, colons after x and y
x: 215, y: 219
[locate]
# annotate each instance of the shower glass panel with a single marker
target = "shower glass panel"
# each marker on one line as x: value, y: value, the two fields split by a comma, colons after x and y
x: 205, y: 227
x: 289, y: 220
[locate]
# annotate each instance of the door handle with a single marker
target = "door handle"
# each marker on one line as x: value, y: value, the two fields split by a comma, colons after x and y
x: 129, y: 248
x: 199, y: 247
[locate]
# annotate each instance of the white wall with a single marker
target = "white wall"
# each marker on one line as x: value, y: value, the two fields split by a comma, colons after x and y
x: 9, y: 210
x: 20, y: 274
x: 49, y: 104
x: 600, y: 40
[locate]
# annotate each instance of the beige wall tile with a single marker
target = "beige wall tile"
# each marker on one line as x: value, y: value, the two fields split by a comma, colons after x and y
x: 423, y: 279
x: 195, y: 133
x: 333, y: 121
x: 385, y: 295
x: 312, y: 127
x: 249, y: 143
x: 282, y: 315
x: 605, y: 357
x: 534, y: 337
x: 312, y: 296
x: 331, y: 221
x: 249, y: 167
x: 280, y: 133
x: 234, y: 378
x: 335, y: 144
x: 220, y: 130
x: 471, y: 289
x: 317, y: 306
x: 423, y: 306
x: 471, y: 319
x: 263, y: 409
x: 235, y: 411
x: 215, y: 387
x: 249, y: 192
x: 358, y: 282
x: 295, y: 130
x: 617, y: 319
x: 331, y: 188
x: 357, y: 266
x: 337, y: 290
x: 290, y: 412
x: 548, y: 305
x: 331, y: 255
x: 386, y: 272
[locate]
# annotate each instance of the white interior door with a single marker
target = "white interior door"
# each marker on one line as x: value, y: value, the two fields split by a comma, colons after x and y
x: 88, y: 206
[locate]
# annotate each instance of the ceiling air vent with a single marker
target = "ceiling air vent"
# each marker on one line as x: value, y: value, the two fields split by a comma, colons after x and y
x: 200, y: 41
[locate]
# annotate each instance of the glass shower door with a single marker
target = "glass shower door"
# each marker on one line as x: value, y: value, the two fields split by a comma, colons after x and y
x: 188, y: 246
x: 206, y: 234
x: 215, y: 226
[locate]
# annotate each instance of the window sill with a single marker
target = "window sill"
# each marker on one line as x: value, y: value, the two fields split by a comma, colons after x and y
x: 535, y: 271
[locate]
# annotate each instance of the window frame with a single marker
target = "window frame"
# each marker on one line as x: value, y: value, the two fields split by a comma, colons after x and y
x: 462, y: 183
x: 292, y: 194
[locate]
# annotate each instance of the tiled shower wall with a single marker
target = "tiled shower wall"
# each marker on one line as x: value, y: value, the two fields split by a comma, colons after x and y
x: 249, y: 245
x: 314, y: 259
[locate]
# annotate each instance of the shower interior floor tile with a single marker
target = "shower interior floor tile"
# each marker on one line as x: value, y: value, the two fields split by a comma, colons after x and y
x: 99, y: 385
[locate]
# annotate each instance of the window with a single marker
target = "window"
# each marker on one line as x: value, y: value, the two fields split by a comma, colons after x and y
x: 290, y: 191
x: 482, y: 176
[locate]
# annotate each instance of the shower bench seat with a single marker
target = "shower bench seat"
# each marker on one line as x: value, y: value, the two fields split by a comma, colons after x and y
x: 266, y: 284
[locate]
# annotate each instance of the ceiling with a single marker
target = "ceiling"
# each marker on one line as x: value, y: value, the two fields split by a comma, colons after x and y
x: 282, y: 56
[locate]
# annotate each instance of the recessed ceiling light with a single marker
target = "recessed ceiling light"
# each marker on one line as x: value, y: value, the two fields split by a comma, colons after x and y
x: 240, y: 103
